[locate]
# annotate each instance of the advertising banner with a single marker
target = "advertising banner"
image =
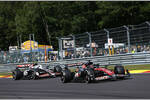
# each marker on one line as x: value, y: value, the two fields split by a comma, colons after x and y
x: 110, y: 41
x: 27, y: 45
x: 68, y: 44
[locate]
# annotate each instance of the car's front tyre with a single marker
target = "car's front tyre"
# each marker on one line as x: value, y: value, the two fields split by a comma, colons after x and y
x: 17, y: 74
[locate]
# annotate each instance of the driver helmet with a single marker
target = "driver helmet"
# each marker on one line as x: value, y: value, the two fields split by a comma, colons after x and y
x: 77, y: 69
x: 89, y: 62
x: 84, y: 66
x: 66, y: 68
x: 40, y: 67
x: 35, y: 64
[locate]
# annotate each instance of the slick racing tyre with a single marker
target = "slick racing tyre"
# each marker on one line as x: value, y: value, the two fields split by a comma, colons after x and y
x: 17, y: 74
x: 89, y: 76
x: 113, y: 78
x: 66, y: 76
x: 119, y: 70
x: 88, y: 79
x: 57, y: 69
x: 33, y: 76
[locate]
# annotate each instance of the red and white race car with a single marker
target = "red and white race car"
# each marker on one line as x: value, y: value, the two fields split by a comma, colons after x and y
x: 91, y: 73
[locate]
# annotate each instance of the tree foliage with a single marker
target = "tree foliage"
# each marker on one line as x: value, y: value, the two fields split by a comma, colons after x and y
x: 48, y: 20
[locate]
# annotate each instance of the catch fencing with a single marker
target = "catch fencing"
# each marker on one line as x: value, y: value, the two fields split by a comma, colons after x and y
x: 17, y: 57
x: 126, y: 39
x: 129, y: 40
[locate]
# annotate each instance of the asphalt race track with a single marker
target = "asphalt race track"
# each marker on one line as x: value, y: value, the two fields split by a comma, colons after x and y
x: 138, y: 87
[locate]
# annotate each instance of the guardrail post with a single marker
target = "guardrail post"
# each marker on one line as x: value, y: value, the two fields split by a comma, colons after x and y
x: 120, y: 60
x: 149, y: 31
x: 128, y: 37
x: 107, y: 33
x: 59, y: 49
x: 30, y: 47
x: 33, y: 47
x: 90, y: 41
x: 148, y: 24
x: 74, y: 45
x: 20, y: 41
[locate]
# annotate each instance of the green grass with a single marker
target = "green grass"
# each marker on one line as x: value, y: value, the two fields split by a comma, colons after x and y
x: 5, y: 73
x: 134, y: 67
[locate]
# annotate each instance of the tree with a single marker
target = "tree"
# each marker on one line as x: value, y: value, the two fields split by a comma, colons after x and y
x: 48, y: 20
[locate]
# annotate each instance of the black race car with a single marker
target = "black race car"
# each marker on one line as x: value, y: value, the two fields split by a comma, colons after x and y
x: 35, y: 71
x: 90, y: 72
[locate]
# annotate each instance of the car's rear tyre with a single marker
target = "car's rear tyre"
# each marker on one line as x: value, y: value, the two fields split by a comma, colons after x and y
x: 113, y: 78
x: 66, y: 76
x: 17, y: 74
x: 119, y: 70
x: 57, y: 69
x: 63, y: 79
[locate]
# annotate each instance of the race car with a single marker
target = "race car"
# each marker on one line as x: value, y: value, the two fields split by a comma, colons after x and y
x: 35, y: 71
x: 93, y: 72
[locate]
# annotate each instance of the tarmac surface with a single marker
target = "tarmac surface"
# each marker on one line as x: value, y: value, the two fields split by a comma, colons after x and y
x: 137, y: 87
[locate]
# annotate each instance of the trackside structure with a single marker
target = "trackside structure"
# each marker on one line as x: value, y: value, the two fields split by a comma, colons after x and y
x: 127, y: 44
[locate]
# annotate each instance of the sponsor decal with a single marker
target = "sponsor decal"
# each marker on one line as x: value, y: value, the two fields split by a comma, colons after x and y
x: 44, y: 75
x: 75, y: 64
x: 105, y: 70
x: 102, y: 78
x: 25, y: 65
x: 53, y: 74
x: 77, y: 75
x: 57, y: 73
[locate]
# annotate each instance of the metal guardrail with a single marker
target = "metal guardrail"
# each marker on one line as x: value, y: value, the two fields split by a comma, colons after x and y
x: 124, y: 59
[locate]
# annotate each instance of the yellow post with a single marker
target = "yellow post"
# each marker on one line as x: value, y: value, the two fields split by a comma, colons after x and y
x: 112, y: 50
x: 45, y: 55
x: 109, y: 50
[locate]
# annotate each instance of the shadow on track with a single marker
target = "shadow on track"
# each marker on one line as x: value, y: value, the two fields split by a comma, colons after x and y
x: 96, y: 82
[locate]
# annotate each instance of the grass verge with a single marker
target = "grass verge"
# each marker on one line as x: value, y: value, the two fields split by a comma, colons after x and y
x: 5, y: 73
x: 134, y: 67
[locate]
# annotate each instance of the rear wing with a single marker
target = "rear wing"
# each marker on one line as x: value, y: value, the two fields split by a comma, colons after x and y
x: 74, y: 64
x: 24, y: 65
